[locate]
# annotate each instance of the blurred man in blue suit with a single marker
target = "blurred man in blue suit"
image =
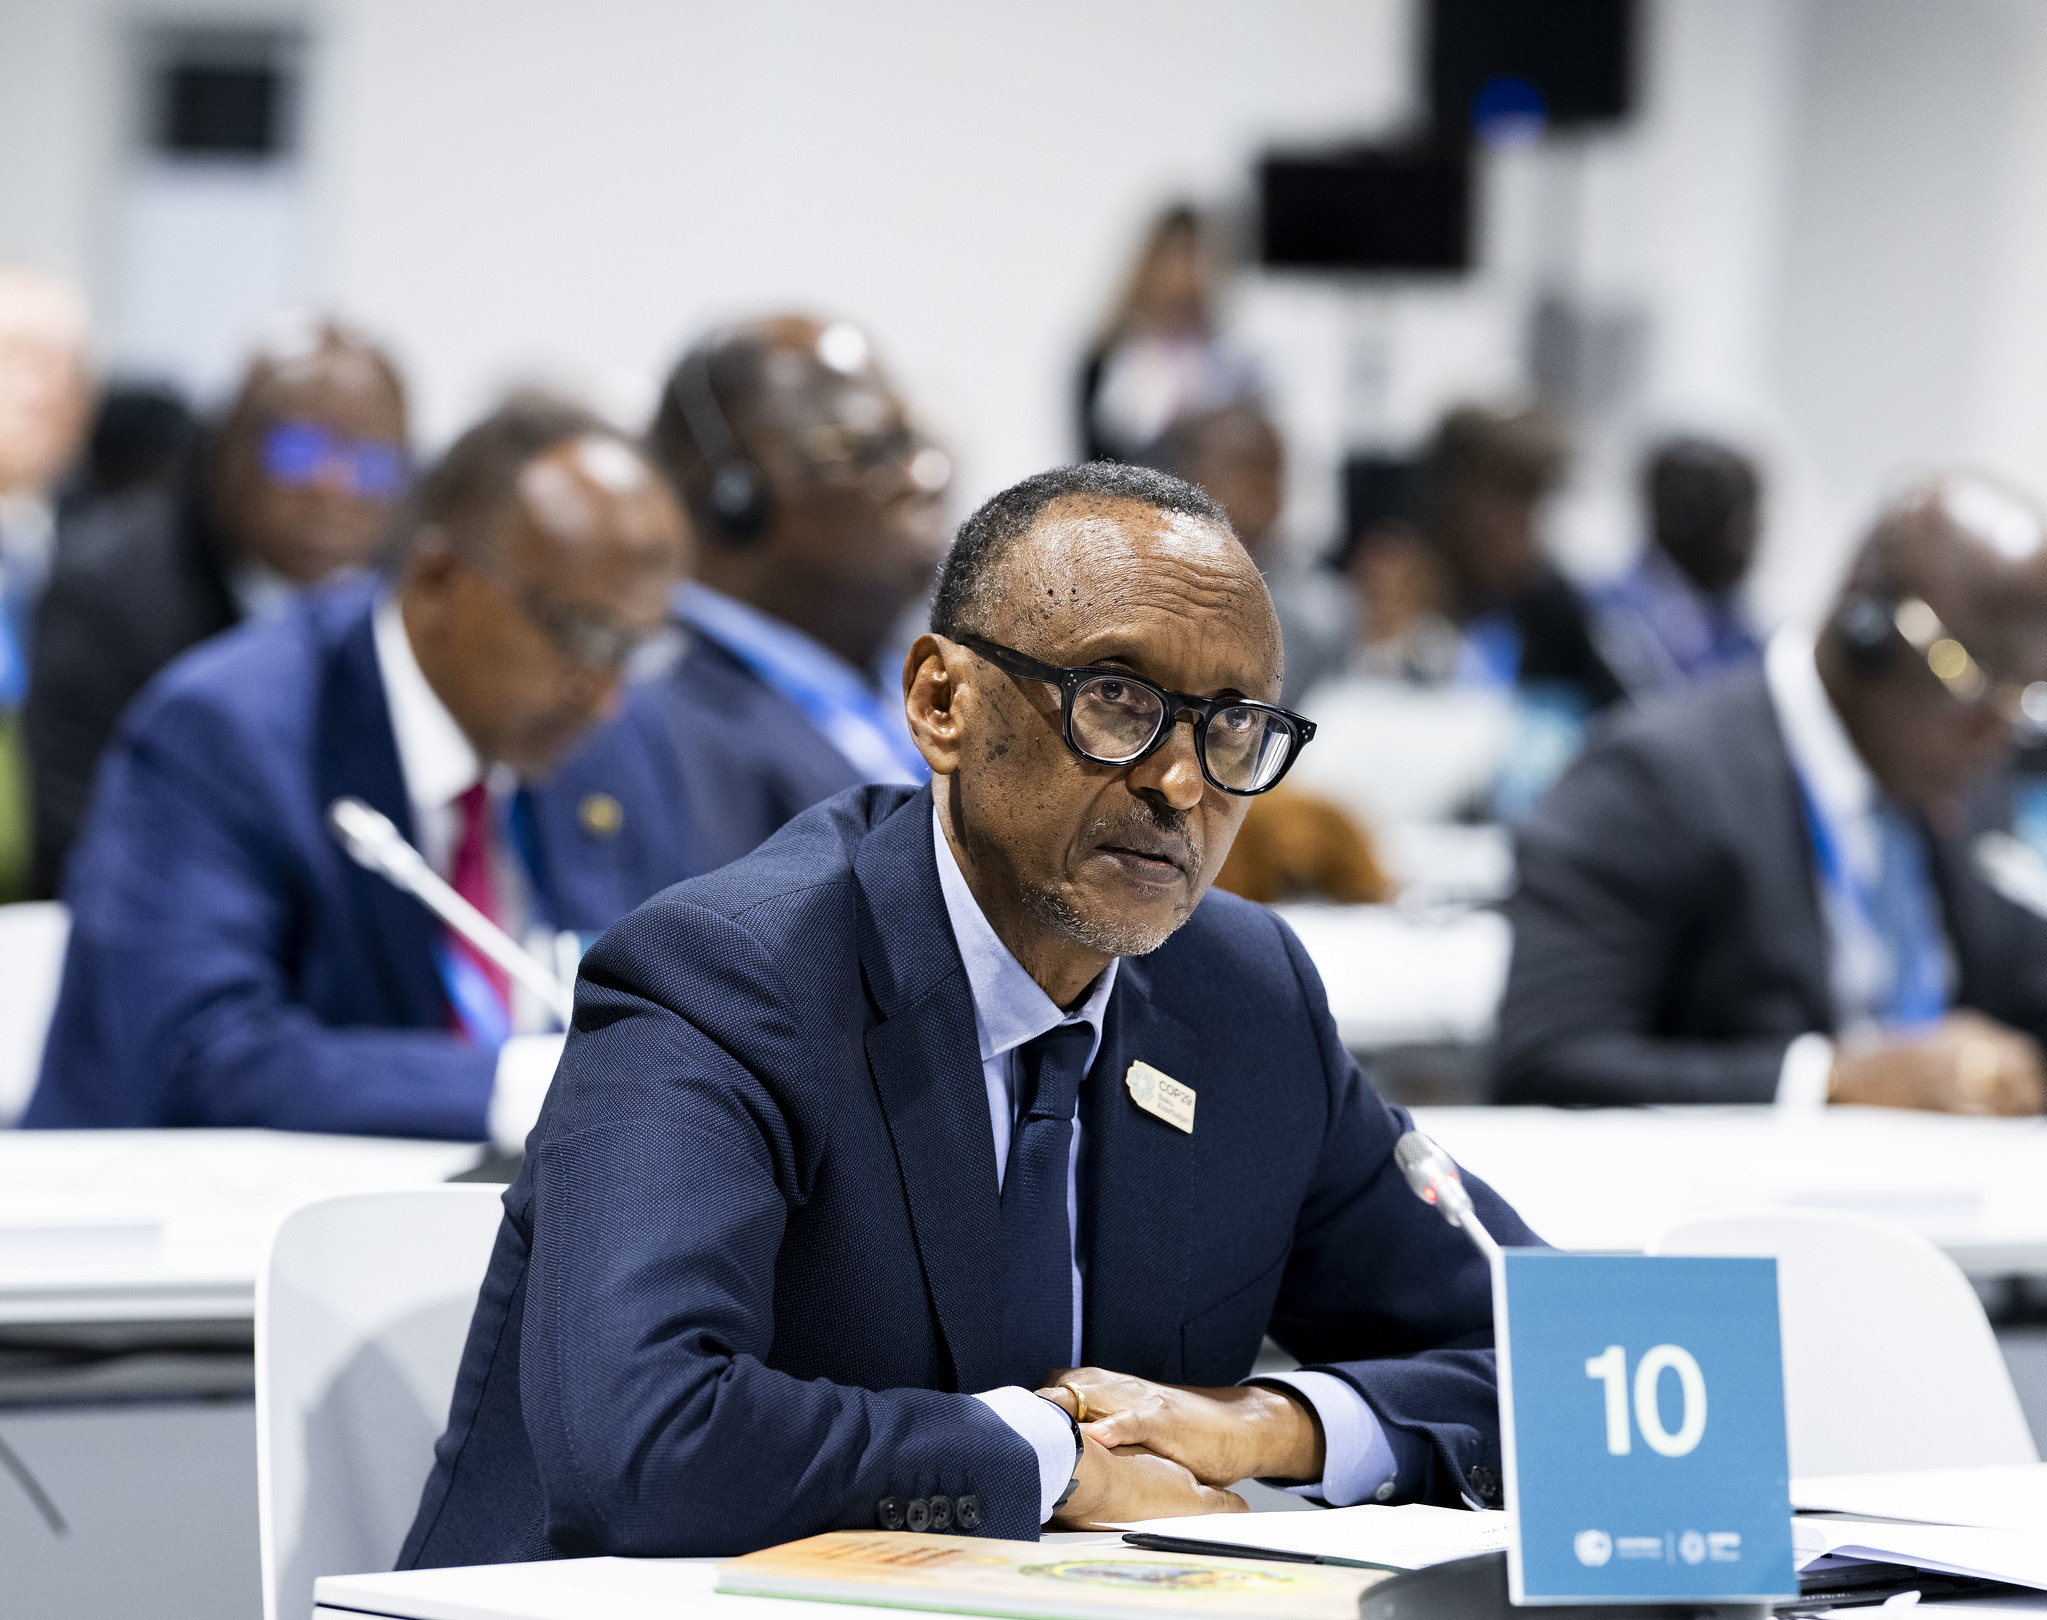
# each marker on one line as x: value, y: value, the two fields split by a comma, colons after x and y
x: 903, y: 1171
x: 819, y: 511
x: 229, y: 965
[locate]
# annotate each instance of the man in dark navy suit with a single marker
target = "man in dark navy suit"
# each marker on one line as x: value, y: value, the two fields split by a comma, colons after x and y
x: 817, y: 505
x: 229, y: 965
x: 955, y: 1114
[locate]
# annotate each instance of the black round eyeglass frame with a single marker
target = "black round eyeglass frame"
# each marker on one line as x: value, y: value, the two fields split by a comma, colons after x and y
x: 592, y: 644
x: 1172, y: 706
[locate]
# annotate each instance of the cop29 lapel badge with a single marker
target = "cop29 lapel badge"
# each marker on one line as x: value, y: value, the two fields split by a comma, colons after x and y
x: 1161, y: 1096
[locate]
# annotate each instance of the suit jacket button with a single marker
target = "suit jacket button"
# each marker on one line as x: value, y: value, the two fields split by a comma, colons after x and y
x: 917, y: 1514
x: 941, y: 1513
x: 966, y: 1513
x: 1485, y: 1483
x: 888, y: 1513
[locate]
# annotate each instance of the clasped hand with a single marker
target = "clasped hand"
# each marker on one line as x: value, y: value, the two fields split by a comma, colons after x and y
x: 1158, y: 1451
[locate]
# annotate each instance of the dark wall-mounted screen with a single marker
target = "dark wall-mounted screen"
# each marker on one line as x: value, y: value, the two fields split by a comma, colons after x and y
x: 220, y: 92
x: 1577, y: 56
x: 1405, y: 209
x: 222, y: 111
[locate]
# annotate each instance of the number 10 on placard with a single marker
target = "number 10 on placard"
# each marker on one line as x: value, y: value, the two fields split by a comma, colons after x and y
x: 1611, y: 1365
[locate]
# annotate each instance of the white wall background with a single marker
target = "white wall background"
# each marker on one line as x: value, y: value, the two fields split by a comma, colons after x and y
x: 1832, y: 212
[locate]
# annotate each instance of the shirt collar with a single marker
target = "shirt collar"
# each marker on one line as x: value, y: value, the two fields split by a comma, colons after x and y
x: 1009, y: 1006
x: 434, y: 756
x: 1821, y: 750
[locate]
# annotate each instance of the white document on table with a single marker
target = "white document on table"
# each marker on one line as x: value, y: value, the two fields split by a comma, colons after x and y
x: 1412, y: 1536
x: 2012, y: 1497
x: 2016, y: 1556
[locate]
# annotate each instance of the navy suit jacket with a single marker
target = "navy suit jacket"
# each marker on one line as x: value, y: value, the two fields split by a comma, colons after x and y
x: 230, y: 965
x: 750, y: 759
x: 751, y: 1271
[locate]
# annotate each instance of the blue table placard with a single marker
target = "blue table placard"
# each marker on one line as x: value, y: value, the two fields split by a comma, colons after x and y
x: 1642, y: 1413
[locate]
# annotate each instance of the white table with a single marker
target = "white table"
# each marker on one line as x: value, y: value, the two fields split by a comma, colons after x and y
x: 669, y: 1589
x: 1616, y: 1178
x: 1404, y: 975
x: 128, y: 1263
x: 147, y: 1226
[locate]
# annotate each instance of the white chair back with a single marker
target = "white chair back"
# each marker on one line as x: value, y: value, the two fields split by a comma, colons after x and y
x: 1889, y: 1361
x: 361, y: 1314
x: 33, y: 935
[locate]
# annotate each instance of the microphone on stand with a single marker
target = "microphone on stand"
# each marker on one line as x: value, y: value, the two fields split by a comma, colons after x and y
x: 1432, y: 1174
x: 376, y: 844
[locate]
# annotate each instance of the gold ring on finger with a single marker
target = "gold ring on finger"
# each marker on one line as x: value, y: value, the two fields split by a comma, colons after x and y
x: 1079, y: 1400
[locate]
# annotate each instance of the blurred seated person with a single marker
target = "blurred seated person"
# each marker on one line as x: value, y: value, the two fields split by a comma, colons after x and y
x: 229, y: 964
x: 1161, y: 356
x: 818, y: 509
x: 1236, y: 454
x: 1463, y: 594
x: 296, y: 486
x: 1455, y: 598
x: 1788, y: 884
x: 1677, y: 615
x: 45, y: 398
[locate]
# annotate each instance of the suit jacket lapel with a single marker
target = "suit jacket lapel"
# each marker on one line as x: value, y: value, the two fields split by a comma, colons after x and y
x: 925, y: 1059
x: 1138, y: 1190
x: 1781, y: 853
x: 358, y: 755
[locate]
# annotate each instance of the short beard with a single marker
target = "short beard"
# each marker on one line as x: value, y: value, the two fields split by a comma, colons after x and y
x: 1117, y: 936
x: 1122, y: 937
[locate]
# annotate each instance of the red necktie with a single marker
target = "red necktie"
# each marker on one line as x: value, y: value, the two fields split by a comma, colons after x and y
x: 474, y: 877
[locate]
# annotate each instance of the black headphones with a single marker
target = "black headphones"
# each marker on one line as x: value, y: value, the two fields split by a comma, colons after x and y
x: 1867, y: 626
x: 740, y: 499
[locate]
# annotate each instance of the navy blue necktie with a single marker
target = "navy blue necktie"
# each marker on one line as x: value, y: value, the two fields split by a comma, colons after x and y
x: 1037, y: 1242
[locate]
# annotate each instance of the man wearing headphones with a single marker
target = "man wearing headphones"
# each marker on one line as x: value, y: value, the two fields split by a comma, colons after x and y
x: 819, y: 511
x: 1798, y: 883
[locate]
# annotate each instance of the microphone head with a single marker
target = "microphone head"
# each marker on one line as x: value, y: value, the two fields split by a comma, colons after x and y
x: 366, y: 834
x: 1432, y: 1174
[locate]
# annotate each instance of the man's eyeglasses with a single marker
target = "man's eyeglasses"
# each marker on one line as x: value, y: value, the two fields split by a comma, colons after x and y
x: 1112, y: 717
x: 583, y: 636
x: 1966, y: 678
x: 883, y: 455
x: 299, y: 454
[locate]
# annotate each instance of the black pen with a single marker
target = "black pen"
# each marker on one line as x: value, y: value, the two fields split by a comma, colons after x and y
x: 1230, y: 1549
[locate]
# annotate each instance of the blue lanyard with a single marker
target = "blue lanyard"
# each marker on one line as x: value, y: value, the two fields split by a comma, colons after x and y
x: 1491, y: 654
x: 831, y: 707
x: 1917, y: 993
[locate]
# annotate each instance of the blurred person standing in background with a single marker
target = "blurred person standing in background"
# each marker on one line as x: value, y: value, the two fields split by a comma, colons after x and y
x: 230, y: 965
x: 295, y: 486
x: 1794, y: 883
x: 45, y: 401
x: 1677, y: 615
x: 818, y: 509
x: 1161, y: 355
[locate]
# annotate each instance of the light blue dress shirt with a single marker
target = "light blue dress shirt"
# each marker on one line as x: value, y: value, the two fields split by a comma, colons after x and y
x: 835, y: 697
x: 1011, y: 1009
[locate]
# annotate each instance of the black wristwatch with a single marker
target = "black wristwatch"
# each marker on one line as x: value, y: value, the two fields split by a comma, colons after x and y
x: 1079, y: 1449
